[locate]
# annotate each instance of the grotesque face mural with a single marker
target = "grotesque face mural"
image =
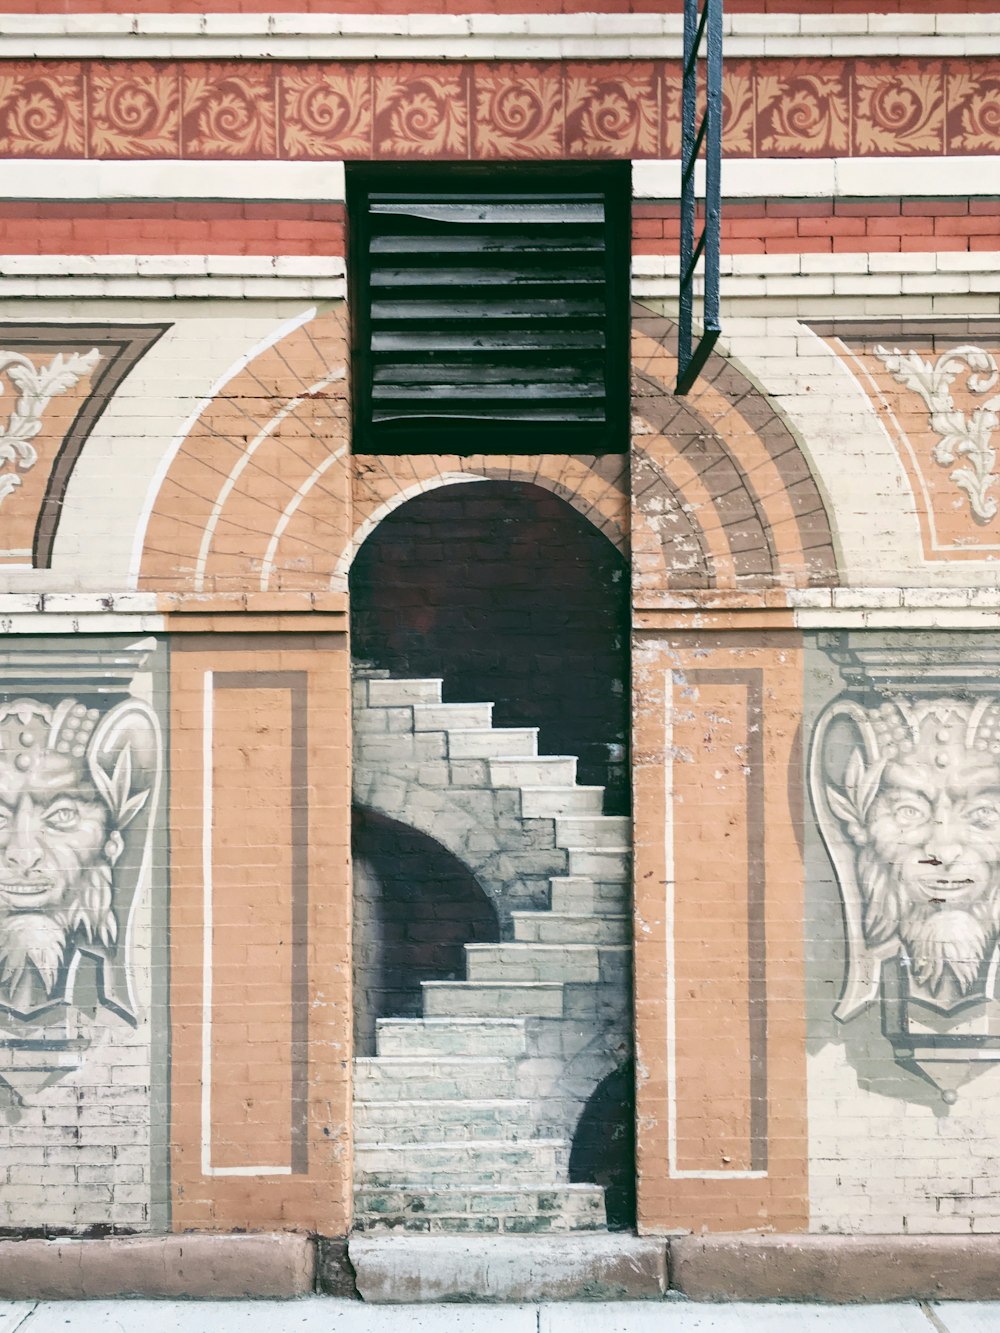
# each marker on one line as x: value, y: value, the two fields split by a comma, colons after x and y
x: 919, y: 803
x: 62, y: 812
x: 928, y: 862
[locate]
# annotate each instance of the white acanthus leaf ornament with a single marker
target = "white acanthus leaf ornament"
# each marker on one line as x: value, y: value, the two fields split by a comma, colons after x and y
x: 966, y: 439
x: 36, y: 387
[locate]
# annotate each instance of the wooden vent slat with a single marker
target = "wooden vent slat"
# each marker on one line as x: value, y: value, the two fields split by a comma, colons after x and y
x: 499, y: 306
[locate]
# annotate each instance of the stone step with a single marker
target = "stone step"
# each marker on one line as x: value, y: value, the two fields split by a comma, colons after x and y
x: 443, y: 717
x: 579, y: 895
x: 396, y: 720
x: 548, y: 802
x: 451, y: 1036
x: 493, y: 742
x: 426, y: 1120
x: 604, y: 863
x: 532, y: 962
x: 545, y: 770
x: 382, y: 1078
x: 493, y: 999
x: 387, y: 693
x: 523, y: 1162
x: 561, y: 1208
x: 570, y: 928
x: 607, y: 831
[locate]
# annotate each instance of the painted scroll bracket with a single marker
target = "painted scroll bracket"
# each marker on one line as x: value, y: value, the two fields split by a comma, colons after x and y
x: 904, y: 777
x: 80, y: 762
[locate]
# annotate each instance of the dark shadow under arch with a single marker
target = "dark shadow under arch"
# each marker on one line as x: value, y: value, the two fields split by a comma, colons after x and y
x: 603, y: 1151
x: 415, y: 906
x: 513, y: 597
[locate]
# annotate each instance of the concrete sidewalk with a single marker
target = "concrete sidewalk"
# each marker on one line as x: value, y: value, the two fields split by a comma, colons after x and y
x: 329, y: 1315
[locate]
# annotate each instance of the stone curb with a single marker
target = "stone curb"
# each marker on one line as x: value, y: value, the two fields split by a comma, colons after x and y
x: 201, y: 1266
x: 420, y: 1269
x: 394, y: 1270
x: 836, y: 1269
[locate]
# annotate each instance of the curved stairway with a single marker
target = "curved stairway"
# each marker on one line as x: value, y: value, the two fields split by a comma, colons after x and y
x: 463, y: 1118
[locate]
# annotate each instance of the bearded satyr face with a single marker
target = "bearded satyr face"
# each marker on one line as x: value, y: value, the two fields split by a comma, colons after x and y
x: 929, y: 858
x: 57, y: 847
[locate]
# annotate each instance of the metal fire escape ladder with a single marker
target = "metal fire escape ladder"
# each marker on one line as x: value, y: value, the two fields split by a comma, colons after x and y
x: 702, y: 23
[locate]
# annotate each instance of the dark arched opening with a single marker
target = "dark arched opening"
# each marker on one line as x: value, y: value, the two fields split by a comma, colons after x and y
x: 513, y: 597
x: 603, y: 1151
x: 415, y: 906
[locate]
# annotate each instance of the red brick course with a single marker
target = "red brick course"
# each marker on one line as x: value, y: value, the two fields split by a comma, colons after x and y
x: 753, y: 227
x: 802, y: 227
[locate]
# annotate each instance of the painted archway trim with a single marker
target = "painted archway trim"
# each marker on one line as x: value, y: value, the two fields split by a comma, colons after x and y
x: 262, y: 495
x: 256, y: 496
x: 737, y: 473
x: 597, y: 487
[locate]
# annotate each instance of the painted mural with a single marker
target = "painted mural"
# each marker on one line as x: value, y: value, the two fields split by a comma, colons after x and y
x: 486, y: 109
x: 72, y: 781
x: 491, y: 866
x: 905, y: 781
x: 82, y: 934
x: 80, y: 765
x: 55, y: 382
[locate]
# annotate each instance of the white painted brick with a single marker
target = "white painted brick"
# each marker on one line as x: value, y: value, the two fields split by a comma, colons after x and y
x: 953, y: 283
x: 974, y: 261
x: 847, y: 261
x: 884, y: 284
x: 975, y: 24
x: 890, y: 262
x: 779, y: 47
x: 833, y: 24
x: 913, y: 24
x: 169, y: 23
x: 224, y: 25
x: 760, y: 25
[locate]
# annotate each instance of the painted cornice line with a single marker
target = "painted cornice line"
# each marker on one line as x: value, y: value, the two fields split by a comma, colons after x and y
x: 45, y: 178
x: 483, y: 36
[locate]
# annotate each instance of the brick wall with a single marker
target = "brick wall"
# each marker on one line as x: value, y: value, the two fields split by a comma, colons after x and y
x: 810, y: 543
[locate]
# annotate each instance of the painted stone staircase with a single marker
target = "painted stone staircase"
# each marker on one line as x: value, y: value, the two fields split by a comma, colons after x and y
x: 463, y: 1118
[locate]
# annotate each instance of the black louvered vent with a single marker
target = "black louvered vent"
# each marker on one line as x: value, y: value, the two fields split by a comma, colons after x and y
x: 490, y: 312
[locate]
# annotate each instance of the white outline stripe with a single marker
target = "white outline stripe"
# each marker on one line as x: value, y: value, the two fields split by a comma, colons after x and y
x: 207, y: 817
x: 240, y: 364
x: 652, y: 178
x: 70, y: 178
x: 241, y: 464
x: 364, y: 530
x: 478, y: 36
x: 290, y: 511
x: 208, y: 931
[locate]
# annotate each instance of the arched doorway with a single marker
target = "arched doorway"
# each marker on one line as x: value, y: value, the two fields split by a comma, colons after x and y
x: 489, y: 638
x: 511, y: 595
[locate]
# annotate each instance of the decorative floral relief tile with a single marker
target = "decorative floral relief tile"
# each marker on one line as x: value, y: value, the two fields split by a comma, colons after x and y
x: 518, y: 111
x: 973, y: 113
x: 899, y: 108
x: 670, y: 111
x: 233, y: 109
x: 612, y: 110
x: 326, y: 110
x: 134, y: 110
x: 803, y: 108
x: 737, y: 110
x: 422, y: 111
x: 228, y: 111
x: 41, y: 109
